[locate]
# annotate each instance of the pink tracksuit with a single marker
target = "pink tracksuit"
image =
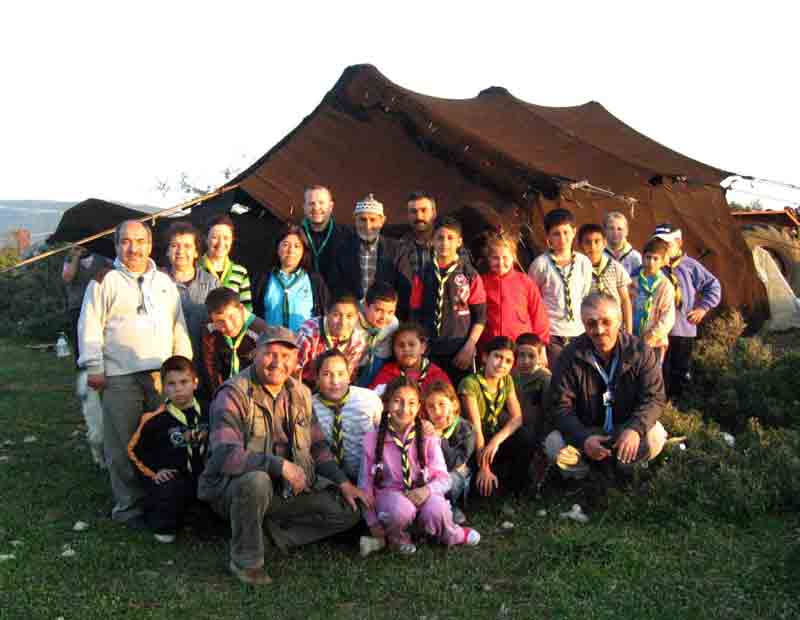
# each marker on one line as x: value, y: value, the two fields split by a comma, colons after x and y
x: 393, y: 510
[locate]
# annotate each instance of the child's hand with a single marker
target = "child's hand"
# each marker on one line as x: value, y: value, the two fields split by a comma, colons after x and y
x: 696, y: 316
x: 428, y: 428
x: 489, y: 452
x: 486, y: 481
x: 418, y: 496
x: 165, y: 474
x: 464, y: 357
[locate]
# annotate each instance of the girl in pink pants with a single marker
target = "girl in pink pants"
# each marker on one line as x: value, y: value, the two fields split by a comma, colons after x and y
x: 404, y: 472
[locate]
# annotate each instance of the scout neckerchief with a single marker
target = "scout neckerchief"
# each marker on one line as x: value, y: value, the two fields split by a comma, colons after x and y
x: 222, y: 276
x: 566, y: 278
x: 423, y: 370
x: 441, y: 279
x: 287, y: 282
x: 598, y: 271
x: 329, y: 341
x: 316, y: 251
x: 670, y: 271
x: 337, y: 429
x: 448, y: 432
x: 249, y: 317
x: 626, y: 249
x: 493, y: 405
x: 608, y: 394
x: 649, y: 289
x: 372, y: 338
x: 408, y: 481
x: 180, y: 416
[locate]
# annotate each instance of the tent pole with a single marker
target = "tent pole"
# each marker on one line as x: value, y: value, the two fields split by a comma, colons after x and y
x: 108, y: 231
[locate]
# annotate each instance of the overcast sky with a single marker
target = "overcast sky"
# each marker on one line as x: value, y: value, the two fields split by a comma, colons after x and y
x: 103, y: 99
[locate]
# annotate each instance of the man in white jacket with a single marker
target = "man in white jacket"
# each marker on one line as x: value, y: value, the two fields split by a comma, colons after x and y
x: 131, y: 321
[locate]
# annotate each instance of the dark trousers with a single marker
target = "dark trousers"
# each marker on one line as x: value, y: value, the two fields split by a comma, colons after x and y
x: 512, y: 462
x: 445, y: 362
x: 74, y: 315
x: 677, y: 371
x: 166, y: 504
x: 554, y: 348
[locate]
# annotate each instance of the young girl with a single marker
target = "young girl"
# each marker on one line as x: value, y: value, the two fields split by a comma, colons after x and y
x: 404, y: 472
x: 289, y: 293
x: 513, y: 303
x: 442, y: 409
x: 408, y: 345
x: 502, y: 447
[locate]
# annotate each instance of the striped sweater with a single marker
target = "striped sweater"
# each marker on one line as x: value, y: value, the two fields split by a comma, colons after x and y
x: 234, y: 277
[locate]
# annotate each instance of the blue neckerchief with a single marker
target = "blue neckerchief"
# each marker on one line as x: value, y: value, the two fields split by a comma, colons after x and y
x: 608, y: 395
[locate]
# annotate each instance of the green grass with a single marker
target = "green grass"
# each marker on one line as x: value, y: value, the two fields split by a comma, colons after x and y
x: 614, y: 567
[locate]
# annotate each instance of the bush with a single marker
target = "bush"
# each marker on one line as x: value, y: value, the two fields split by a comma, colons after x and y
x: 32, y: 302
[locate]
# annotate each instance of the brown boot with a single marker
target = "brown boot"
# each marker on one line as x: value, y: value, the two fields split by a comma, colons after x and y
x: 250, y: 576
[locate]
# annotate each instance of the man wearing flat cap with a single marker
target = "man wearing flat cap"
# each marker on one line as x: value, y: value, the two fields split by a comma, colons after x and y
x: 369, y: 257
x: 269, y: 466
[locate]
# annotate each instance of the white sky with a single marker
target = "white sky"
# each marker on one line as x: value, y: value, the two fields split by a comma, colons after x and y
x: 101, y: 99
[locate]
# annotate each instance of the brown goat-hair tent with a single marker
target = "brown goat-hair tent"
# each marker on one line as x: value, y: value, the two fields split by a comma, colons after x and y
x: 495, y: 161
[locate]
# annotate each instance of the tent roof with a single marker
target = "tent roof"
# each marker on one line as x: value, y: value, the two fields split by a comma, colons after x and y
x: 371, y: 133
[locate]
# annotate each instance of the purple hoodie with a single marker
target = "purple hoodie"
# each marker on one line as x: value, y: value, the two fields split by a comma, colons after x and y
x: 699, y: 289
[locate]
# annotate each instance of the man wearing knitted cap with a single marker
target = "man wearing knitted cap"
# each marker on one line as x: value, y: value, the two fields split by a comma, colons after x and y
x: 697, y: 291
x: 370, y: 257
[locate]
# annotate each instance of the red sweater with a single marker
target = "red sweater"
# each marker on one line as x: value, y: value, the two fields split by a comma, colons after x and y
x: 513, y: 307
x: 390, y: 370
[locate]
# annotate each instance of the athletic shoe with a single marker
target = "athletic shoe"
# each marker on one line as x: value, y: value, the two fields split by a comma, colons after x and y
x: 406, y: 548
x: 471, y: 537
x: 165, y: 538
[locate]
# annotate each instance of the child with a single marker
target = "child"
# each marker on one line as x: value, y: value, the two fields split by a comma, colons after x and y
x: 502, y: 448
x: 616, y: 228
x: 449, y: 300
x: 345, y: 413
x: 531, y: 382
x: 408, y: 345
x: 442, y: 409
x: 696, y: 292
x: 564, y: 278
x: 168, y: 449
x: 513, y: 302
x: 403, y: 470
x: 338, y: 329
x: 229, y: 340
x: 608, y: 276
x: 379, y: 322
x: 653, y: 298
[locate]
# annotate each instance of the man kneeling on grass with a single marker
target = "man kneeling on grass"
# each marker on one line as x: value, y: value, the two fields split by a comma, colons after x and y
x: 607, y: 394
x: 269, y: 464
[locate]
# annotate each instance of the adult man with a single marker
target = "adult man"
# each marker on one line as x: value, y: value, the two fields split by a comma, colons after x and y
x: 325, y: 237
x: 414, y: 250
x: 269, y: 463
x: 607, y: 394
x: 369, y: 257
x: 131, y: 321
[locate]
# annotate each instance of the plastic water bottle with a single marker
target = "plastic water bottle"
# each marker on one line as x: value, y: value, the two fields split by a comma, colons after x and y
x: 62, y: 348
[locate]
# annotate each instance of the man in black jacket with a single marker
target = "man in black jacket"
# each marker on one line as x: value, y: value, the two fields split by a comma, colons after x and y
x: 606, y: 396
x: 326, y: 239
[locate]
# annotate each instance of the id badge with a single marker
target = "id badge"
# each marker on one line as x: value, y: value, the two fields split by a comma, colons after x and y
x: 608, y: 398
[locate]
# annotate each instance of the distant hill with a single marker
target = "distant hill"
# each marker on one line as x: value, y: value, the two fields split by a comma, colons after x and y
x: 41, y: 217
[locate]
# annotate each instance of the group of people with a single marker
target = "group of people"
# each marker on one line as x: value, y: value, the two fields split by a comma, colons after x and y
x: 373, y: 380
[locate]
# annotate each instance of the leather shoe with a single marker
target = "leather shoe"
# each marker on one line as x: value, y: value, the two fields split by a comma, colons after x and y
x: 250, y: 576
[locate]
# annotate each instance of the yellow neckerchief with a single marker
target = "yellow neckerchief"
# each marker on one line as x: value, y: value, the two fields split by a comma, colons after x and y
x: 337, y: 428
x: 403, y: 445
x: 180, y: 416
x: 598, y: 271
x: 227, y: 269
x: 372, y: 337
x: 441, y: 280
x: 249, y: 317
x: 670, y: 271
x: 493, y: 407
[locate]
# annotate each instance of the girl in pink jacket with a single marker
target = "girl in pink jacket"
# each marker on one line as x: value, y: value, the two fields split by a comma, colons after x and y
x: 404, y: 472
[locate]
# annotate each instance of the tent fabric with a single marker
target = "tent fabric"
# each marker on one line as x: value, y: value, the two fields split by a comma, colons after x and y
x: 784, y: 306
x: 491, y: 160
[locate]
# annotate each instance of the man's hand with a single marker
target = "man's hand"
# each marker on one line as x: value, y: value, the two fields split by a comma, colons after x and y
x: 351, y: 493
x: 294, y: 475
x: 486, y: 481
x: 696, y: 315
x: 418, y: 496
x: 165, y: 474
x: 96, y: 382
x: 464, y: 357
x: 627, y: 446
x: 593, y: 447
x: 489, y: 452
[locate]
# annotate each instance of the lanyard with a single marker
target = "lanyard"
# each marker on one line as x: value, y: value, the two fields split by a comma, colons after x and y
x: 608, y: 395
x: 316, y: 251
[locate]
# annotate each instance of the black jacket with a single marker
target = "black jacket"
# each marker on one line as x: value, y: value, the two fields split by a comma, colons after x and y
x: 349, y: 267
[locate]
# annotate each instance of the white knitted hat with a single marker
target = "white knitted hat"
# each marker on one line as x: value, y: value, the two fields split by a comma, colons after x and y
x: 368, y: 205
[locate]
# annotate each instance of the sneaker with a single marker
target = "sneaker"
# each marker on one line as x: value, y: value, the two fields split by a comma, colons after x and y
x: 165, y: 538
x: 459, y: 518
x: 250, y: 576
x: 471, y: 537
x: 370, y: 544
x: 406, y: 548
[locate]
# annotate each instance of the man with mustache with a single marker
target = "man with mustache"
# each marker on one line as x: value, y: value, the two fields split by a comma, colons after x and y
x: 131, y: 321
x: 270, y: 465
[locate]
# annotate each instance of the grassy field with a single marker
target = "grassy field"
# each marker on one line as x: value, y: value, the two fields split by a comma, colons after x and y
x: 616, y: 566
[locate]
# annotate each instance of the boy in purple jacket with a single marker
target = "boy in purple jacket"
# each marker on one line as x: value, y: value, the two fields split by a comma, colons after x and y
x: 697, y: 291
